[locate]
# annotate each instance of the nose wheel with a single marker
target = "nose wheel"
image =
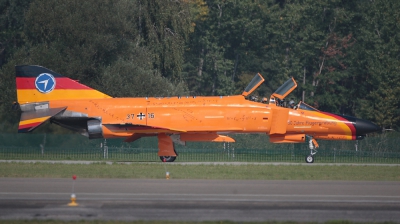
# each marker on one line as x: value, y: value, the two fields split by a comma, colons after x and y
x: 312, y: 145
x: 309, y: 159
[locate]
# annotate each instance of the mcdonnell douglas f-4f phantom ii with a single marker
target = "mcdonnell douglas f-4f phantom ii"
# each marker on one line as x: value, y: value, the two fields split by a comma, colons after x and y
x: 46, y: 95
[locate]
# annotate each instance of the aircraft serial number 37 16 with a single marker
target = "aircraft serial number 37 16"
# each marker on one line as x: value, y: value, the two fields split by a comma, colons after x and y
x: 46, y: 95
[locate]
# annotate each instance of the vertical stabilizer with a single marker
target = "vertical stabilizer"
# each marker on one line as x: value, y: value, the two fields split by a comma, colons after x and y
x: 39, y: 84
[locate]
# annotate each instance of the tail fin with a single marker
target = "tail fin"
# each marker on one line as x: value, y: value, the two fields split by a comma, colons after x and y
x: 39, y: 84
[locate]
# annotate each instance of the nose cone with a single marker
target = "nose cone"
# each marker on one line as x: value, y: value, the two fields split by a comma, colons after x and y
x: 364, y: 127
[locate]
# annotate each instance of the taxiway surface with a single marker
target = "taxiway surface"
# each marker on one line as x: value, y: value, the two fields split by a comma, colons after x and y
x: 199, y: 200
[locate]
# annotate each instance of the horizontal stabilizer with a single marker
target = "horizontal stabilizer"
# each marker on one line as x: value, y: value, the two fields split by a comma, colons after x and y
x: 33, y: 119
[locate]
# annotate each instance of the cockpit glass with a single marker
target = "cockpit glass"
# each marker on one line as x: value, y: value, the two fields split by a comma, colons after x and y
x: 257, y: 79
x: 285, y: 87
x: 304, y: 106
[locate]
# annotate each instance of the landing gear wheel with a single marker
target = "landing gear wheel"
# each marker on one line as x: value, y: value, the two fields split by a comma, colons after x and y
x: 167, y: 158
x: 309, y: 159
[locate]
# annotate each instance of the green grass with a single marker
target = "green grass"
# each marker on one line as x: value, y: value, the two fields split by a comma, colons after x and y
x: 163, y: 222
x: 240, y: 172
x: 326, y: 156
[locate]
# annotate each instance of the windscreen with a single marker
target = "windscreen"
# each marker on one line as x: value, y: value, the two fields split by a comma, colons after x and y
x: 304, y: 106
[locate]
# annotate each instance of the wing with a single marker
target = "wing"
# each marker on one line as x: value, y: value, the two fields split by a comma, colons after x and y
x: 139, y: 131
x: 143, y: 129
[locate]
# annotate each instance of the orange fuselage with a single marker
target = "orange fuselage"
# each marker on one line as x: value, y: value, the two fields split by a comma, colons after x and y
x: 206, y: 114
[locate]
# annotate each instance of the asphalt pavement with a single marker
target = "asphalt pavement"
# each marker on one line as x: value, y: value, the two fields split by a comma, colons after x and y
x: 199, y: 200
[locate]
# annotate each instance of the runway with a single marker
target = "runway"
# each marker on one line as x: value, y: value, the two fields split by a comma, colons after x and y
x: 199, y: 200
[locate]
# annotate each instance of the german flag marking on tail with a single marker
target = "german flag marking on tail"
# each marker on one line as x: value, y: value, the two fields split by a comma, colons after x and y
x: 38, y: 84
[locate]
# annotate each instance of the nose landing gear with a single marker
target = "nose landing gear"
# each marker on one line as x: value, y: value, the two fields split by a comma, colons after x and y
x: 313, y: 145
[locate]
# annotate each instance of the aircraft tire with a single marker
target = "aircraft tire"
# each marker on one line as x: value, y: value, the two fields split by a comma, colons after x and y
x: 309, y: 159
x: 168, y: 158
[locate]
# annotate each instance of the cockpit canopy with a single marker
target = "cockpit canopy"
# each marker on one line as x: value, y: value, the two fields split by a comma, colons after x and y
x: 277, y: 98
x: 253, y: 85
x: 285, y: 89
x: 280, y: 93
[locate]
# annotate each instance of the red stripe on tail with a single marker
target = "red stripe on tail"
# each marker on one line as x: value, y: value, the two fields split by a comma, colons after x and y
x: 61, y: 83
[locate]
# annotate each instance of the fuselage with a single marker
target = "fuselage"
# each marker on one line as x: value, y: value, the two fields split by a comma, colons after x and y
x: 121, y: 117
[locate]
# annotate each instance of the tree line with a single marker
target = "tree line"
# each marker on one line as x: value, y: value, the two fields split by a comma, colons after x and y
x: 344, y: 54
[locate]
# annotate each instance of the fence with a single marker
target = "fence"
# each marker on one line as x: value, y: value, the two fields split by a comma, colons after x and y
x: 248, y: 148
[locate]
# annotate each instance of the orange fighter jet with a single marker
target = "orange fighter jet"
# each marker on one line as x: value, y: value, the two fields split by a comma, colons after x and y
x: 46, y: 95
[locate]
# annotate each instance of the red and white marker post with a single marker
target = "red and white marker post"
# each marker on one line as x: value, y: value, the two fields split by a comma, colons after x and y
x: 73, y: 196
x: 166, y: 172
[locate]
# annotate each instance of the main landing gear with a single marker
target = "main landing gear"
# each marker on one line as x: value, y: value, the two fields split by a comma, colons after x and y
x: 166, y: 148
x: 167, y: 158
x: 313, y: 146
